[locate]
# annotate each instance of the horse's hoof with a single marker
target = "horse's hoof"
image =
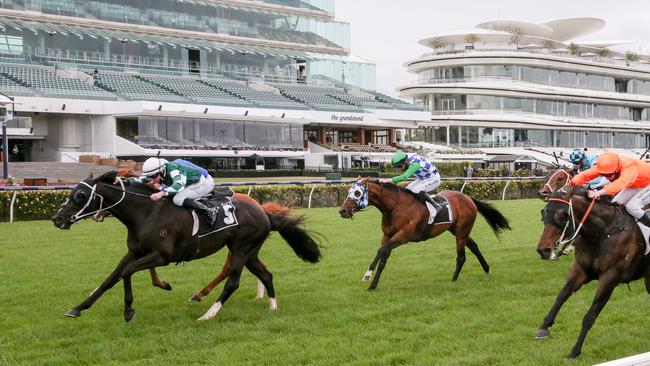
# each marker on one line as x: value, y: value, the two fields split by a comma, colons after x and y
x: 166, y: 286
x: 372, y: 288
x: 194, y: 298
x: 367, y: 276
x: 130, y: 315
x: 73, y: 313
x: 542, y: 333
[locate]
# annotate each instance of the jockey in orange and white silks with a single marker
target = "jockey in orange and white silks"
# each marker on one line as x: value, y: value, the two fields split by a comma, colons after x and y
x: 630, y: 182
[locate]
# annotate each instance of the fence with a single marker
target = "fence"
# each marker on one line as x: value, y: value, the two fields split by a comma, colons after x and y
x: 298, y: 194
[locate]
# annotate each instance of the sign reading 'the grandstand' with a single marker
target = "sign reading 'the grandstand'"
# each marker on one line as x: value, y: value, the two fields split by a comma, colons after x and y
x: 347, y: 118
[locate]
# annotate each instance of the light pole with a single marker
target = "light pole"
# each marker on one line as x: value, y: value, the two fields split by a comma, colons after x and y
x: 4, y: 101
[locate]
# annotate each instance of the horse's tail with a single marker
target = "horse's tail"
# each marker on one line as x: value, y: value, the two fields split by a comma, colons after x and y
x: 290, y: 228
x: 495, y: 219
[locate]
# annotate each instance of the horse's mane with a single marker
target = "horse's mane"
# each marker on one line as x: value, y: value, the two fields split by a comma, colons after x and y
x: 110, y: 176
x: 394, y: 187
x: 581, y: 191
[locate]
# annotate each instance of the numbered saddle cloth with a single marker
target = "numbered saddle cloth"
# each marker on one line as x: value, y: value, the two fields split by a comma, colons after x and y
x: 225, y: 218
x: 444, y: 215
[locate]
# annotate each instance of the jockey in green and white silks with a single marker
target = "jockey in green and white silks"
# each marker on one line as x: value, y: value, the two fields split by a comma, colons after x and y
x: 425, y: 172
x: 182, y: 183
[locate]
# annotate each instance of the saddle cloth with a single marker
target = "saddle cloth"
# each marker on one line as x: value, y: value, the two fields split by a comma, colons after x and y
x: 443, y: 213
x: 201, y: 227
x: 646, y: 234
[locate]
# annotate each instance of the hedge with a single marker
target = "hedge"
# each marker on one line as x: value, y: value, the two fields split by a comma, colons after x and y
x: 41, y: 205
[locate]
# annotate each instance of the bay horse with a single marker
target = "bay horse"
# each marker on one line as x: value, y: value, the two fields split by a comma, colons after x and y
x: 405, y: 219
x: 609, y: 247
x: 160, y: 233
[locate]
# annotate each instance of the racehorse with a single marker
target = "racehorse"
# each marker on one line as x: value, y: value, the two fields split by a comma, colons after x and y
x: 405, y: 219
x: 160, y: 233
x: 225, y: 270
x: 609, y: 247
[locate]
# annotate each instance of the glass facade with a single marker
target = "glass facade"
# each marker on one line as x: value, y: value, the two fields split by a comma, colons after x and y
x: 535, y: 75
x: 476, y: 104
x: 242, y: 21
x: 91, y: 47
x: 472, y: 136
x: 148, y: 130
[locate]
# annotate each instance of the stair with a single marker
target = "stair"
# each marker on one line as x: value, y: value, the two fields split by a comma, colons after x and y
x: 63, y: 173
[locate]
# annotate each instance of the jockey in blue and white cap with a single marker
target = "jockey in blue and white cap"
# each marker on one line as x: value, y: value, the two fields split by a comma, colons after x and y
x: 581, y: 162
x: 182, y: 183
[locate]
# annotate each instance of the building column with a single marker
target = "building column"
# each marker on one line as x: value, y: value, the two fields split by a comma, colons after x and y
x: 391, y: 136
x: 321, y: 135
x: 362, y: 133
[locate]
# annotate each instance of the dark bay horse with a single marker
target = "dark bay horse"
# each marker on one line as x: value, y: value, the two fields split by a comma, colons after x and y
x: 405, y: 220
x: 609, y: 247
x: 160, y: 233
x: 225, y: 270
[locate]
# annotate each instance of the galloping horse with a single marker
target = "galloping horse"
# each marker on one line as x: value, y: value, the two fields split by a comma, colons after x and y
x: 405, y: 219
x: 160, y: 233
x: 225, y: 270
x: 609, y: 247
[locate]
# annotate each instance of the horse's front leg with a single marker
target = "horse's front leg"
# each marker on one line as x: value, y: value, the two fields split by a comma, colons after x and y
x: 215, y: 282
x: 383, y: 253
x: 606, y: 287
x: 576, y: 279
x: 368, y: 275
x: 157, y: 282
x: 151, y: 260
x: 109, y: 282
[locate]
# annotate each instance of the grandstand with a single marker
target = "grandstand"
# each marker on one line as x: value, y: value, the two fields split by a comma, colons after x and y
x: 221, y: 81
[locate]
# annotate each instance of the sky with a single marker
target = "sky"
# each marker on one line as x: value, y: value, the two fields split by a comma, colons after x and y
x: 387, y: 32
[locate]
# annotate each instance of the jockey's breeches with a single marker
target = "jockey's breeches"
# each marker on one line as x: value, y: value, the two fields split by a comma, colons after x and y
x: 634, y: 199
x: 424, y: 185
x: 197, y: 190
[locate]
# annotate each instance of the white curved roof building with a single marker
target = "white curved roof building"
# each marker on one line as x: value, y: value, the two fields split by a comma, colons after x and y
x: 509, y: 83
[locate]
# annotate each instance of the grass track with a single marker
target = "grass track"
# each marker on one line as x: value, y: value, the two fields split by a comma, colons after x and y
x: 325, y: 316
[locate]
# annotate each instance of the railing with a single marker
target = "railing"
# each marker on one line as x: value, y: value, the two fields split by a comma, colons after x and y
x: 313, y: 183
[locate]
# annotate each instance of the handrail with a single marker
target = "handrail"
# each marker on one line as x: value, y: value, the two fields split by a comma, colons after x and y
x: 287, y: 182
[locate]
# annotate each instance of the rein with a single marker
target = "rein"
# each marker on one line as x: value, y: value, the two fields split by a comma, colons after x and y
x: 129, y: 192
x: 561, y: 244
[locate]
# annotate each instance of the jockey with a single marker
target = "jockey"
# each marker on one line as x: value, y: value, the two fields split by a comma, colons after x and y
x: 426, y: 175
x: 181, y: 182
x: 630, y: 182
x: 582, y: 162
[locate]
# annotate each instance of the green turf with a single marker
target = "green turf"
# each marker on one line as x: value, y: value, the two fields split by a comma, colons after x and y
x: 325, y: 316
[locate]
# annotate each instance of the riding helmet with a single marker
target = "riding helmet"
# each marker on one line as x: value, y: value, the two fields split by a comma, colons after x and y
x: 153, y: 166
x: 398, y: 158
x: 577, y: 156
x: 608, y: 163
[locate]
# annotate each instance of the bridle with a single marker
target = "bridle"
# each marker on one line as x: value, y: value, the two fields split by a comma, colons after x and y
x: 361, y: 200
x: 93, y: 194
x: 562, y: 243
x: 563, y: 188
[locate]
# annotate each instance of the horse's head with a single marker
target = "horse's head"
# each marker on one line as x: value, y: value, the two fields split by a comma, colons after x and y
x: 556, y: 182
x: 356, y: 200
x: 82, y: 202
x: 559, y: 218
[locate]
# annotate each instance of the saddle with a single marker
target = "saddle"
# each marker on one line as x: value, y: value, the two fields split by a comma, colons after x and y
x: 442, y: 207
x: 221, y: 200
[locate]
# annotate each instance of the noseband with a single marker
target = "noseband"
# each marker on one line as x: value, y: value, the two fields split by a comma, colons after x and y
x: 562, y: 243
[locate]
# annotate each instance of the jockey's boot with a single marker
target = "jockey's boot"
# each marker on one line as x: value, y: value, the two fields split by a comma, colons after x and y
x: 211, y: 212
x: 645, y: 220
x: 427, y: 198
